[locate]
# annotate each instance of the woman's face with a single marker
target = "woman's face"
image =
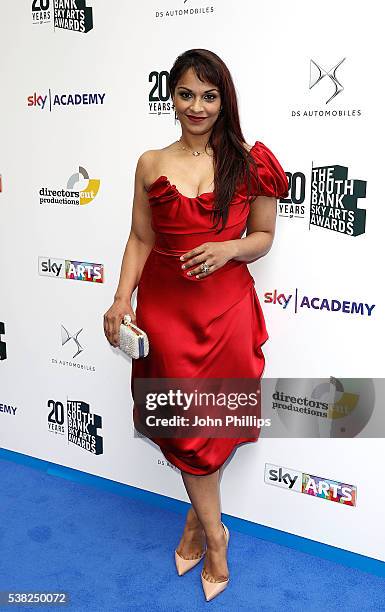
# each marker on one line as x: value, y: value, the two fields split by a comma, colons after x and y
x: 194, y: 98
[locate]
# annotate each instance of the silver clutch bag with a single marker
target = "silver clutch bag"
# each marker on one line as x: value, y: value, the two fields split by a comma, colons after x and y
x: 132, y: 340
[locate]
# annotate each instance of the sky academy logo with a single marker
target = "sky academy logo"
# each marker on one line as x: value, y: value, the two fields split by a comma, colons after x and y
x: 51, y: 100
x: 298, y: 301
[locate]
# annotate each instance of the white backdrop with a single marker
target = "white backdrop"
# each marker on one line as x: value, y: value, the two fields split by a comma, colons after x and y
x: 91, y: 142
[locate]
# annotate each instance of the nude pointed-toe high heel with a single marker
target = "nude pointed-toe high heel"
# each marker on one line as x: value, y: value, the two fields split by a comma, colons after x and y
x: 212, y: 589
x: 184, y: 565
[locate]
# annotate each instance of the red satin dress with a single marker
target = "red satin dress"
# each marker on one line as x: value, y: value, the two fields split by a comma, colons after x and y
x: 194, y: 325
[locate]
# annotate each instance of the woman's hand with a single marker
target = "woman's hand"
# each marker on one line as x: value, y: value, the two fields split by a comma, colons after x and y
x: 113, y: 318
x: 215, y: 254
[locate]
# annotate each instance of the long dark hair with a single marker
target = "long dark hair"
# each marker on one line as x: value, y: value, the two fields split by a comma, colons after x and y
x: 231, y: 159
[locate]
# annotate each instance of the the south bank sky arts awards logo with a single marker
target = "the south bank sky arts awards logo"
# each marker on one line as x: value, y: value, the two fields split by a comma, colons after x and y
x: 75, y: 417
x: 71, y: 15
x: 80, y: 190
x: 327, y: 89
x: 334, y: 199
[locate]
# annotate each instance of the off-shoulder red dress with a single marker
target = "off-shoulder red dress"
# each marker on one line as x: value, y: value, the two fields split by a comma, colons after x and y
x: 194, y: 325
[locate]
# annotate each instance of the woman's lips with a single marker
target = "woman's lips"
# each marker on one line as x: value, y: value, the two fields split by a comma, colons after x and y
x: 195, y: 119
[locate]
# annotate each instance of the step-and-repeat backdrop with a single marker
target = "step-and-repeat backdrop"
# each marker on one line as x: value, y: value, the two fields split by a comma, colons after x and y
x: 84, y: 91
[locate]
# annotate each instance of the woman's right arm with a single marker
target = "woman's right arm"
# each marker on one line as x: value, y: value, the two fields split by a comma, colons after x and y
x: 138, y: 248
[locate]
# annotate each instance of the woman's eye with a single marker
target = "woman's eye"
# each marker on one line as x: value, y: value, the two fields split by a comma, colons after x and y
x: 210, y: 97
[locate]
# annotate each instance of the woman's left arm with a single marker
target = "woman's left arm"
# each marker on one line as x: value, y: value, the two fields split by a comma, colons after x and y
x: 260, y: 231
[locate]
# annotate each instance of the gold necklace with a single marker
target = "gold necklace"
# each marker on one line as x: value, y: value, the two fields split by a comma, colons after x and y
x: 191, y: 151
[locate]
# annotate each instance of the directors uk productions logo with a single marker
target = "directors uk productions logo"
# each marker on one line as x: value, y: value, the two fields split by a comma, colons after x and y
x: 80, y: 190
x: 74, y: 270
x: 309, y: 484
x: 71, y: 15
x: 80, y: 422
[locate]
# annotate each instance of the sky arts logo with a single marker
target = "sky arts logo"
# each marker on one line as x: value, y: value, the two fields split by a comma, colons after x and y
x: 313, y: 302
x: 67, y: 14
x: 75, y: 270
x: 85, y: 193
x: 316, y: 486
x: 82, y: 424
x: 51, y: 100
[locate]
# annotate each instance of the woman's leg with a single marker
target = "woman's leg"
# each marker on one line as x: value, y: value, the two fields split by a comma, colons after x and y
x: 204, y: 519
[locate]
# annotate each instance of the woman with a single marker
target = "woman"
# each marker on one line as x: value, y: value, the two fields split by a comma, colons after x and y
x: 196, y: 298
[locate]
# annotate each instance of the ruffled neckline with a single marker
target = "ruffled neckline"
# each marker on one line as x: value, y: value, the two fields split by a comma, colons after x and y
x: 163, y: 180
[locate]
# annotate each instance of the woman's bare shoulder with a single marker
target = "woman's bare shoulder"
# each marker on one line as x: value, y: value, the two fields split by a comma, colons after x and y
x: 153, y: 154
x: 150, y: 163
x: 150, y: 158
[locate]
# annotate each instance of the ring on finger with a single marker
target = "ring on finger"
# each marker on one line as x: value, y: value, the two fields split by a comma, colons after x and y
x: 205, y: 266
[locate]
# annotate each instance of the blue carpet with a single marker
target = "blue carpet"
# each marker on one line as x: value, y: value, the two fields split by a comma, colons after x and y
x: 111, y: 552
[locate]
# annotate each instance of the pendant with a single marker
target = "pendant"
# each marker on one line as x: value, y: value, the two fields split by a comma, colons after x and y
x: 196, y: 152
